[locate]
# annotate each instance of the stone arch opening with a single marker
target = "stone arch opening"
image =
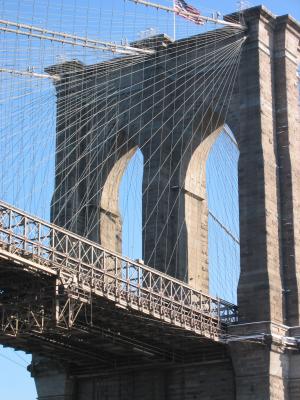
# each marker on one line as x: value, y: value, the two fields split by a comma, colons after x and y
x: 181, y: 218
x: 110, y: 226
x: 130, y: 205
x: 223, y: 216
x: 196, y: 212
x: 202, y: 246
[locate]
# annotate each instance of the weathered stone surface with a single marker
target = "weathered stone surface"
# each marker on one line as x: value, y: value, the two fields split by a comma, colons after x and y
x: 264, y: 116
x: 52, y: 380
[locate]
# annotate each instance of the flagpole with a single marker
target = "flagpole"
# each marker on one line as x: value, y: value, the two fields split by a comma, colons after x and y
x: 203, y: 17
x: 174, y: 22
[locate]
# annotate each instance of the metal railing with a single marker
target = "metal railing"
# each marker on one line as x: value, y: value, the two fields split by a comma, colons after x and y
x: 85, y: 268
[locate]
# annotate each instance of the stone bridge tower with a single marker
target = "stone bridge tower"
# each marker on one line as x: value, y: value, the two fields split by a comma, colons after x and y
x: 260, y: 359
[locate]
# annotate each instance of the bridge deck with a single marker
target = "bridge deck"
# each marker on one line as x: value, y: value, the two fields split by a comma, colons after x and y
x: 64, y: 290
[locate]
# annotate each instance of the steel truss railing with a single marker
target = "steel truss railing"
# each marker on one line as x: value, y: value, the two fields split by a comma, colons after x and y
x: 85, y: 269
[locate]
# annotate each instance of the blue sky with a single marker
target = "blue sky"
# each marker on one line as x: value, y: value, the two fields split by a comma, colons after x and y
x: 277, y: 7
x: 15, y: 381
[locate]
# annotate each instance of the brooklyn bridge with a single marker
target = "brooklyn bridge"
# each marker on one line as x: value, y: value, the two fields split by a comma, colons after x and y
x: 208, y: 307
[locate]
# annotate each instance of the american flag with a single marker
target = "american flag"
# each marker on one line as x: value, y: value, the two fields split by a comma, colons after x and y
x: 187, y: 11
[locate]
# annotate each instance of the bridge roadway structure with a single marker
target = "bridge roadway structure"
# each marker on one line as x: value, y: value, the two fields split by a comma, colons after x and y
x: 87, y: 293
